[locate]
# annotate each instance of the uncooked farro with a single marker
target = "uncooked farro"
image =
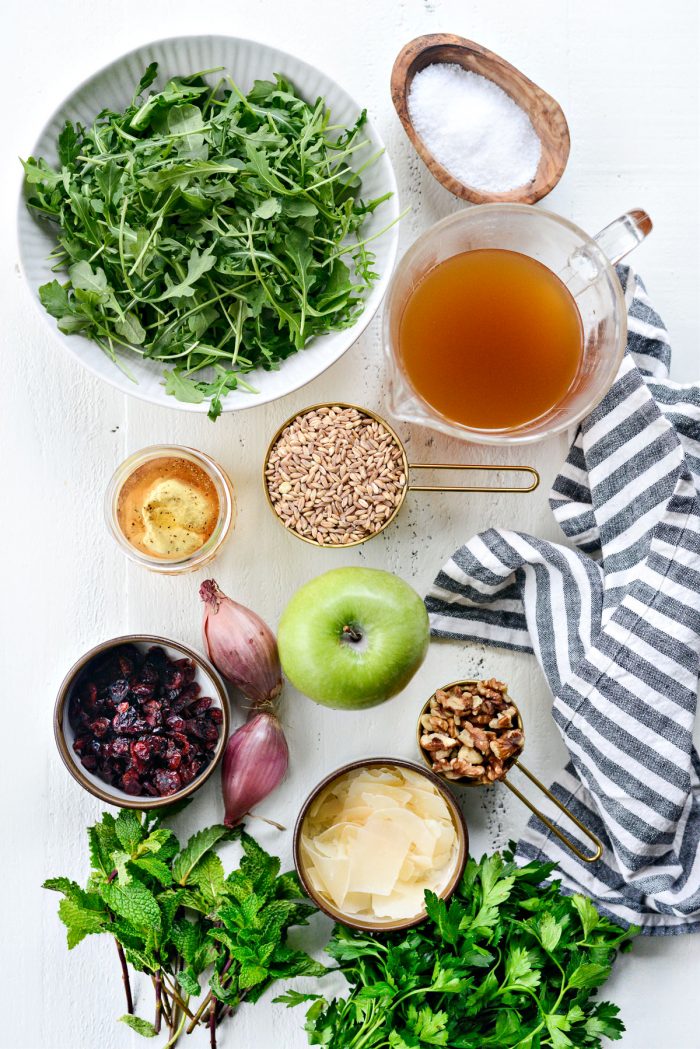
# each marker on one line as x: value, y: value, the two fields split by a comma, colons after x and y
x: 335, y: 475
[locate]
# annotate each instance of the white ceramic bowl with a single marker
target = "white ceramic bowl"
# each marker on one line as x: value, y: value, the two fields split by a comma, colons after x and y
x: 247, y: 61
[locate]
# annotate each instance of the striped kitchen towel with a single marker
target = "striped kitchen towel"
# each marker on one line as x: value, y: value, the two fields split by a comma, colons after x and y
x: 614, y: 622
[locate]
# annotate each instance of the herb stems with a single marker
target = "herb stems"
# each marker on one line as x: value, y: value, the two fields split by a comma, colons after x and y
x: 159, y: 1002
x: 125, y: 978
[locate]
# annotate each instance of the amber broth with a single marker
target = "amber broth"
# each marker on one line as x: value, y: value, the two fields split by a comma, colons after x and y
x: 491, y: 339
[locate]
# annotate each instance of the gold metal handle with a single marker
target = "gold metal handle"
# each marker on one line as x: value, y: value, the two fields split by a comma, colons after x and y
x: 598, y: 850
x: 471, y: 488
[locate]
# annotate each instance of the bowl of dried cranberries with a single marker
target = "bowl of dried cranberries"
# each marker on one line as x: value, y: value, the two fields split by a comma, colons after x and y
x: 141, y: 721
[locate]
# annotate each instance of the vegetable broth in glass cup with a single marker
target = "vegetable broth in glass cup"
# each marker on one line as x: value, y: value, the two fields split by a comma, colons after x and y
x: 584, y: 268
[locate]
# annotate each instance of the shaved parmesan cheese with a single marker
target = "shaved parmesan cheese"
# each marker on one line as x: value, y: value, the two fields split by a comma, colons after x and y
x: 375, y: 839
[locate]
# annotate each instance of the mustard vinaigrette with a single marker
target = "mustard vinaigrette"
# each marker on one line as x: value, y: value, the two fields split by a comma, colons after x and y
x: 491, y: 339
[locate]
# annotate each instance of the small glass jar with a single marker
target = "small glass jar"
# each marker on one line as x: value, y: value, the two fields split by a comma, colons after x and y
x: 225, y: 521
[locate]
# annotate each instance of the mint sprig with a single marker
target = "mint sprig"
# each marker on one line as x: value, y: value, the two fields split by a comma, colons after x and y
x: 176, y: 916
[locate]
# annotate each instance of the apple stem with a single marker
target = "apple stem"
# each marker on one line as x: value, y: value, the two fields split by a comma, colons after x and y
x: 352, y: 634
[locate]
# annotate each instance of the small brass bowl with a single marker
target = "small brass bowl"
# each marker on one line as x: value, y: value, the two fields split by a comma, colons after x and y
x: 206, y: 675
x: 406, y: 468
x: 381, y: 925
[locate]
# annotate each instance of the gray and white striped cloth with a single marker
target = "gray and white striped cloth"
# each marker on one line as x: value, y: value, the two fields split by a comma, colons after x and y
x: 615, y: 625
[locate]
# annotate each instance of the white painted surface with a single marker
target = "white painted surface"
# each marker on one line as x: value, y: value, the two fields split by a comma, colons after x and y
x: 626, y: 75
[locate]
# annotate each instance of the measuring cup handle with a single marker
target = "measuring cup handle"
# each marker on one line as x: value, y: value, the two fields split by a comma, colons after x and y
x: 621, y: 236
x: 597, y: 847
x: 475, y: 487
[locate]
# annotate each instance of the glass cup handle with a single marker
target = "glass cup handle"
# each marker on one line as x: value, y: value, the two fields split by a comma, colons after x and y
x: 624, y: 234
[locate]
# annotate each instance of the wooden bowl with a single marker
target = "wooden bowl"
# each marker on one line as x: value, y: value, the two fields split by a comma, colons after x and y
x: 545, y: 113
x: 382, y: 925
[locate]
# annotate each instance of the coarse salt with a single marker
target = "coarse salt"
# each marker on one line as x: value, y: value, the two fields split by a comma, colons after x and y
x: 473, y: 128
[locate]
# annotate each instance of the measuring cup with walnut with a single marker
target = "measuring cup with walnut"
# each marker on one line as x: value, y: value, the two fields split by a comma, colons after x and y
x: 471, y: 732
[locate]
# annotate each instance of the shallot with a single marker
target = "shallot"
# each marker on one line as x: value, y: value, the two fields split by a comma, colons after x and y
x: 240, y: 645
x: 255, y: 761
x: 244, y: 649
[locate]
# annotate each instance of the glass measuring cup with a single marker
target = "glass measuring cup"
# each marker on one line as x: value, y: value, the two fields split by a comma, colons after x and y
x: 584, y: 264
x: 509, y: 763
x: 308, y: 536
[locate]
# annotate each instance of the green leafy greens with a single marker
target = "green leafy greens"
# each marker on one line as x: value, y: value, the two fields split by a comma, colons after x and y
x: 178, y: 918
x: 508, y: 962
x: 207, y: 229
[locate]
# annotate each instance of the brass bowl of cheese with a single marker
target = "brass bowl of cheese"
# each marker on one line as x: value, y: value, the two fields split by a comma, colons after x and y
x: 170, y: 508
x: 373, y: 836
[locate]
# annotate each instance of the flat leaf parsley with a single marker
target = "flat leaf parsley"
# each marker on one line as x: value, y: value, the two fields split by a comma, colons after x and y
x: 509, y: 961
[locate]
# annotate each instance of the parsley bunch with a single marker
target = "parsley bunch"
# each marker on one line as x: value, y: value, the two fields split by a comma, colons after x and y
x: 508, y: 962
x: 207, y: 229
x: 176, y: 917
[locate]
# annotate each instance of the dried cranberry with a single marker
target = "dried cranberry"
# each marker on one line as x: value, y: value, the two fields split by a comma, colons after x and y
x: 203, y: 729
x: 182, y: 741
x: 118, y: 690
x: 191, y: 691
x: 130, y: 782
x: 106, y: 772
x: 166, y: 782
x: 148, y: 674
x: 126, y: 665
x: 140, y: 751
x: 190, y: 771
x: 142, y: 690
x: 201, y: 705
x: 100, y: 727
x: 141, y: 722
x: 157, y: 744
x: 120, y: 747
x: 156, y: 657
x: 128, y: 723
x: 173, y: 678
x: 152, y: 712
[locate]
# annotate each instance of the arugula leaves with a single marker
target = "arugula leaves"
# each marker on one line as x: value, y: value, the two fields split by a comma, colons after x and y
x: 509, y: 961
x: 178, y: 917
x: 211, y: 231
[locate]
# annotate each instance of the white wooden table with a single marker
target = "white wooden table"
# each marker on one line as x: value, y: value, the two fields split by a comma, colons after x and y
x: 626, y: 75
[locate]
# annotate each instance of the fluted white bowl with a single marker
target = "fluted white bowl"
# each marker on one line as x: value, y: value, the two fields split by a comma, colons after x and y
x: 246, y: 60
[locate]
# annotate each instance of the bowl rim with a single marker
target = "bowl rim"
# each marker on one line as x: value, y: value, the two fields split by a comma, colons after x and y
x: 458, y: 818
x: 141, y: 802
x: 114, y: 377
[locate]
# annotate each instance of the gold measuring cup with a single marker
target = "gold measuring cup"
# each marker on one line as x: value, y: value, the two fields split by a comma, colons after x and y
x: 407, y: 467
x: 508, y: 764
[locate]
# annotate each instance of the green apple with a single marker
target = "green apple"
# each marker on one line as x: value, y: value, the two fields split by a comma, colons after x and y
x: 353, y: 637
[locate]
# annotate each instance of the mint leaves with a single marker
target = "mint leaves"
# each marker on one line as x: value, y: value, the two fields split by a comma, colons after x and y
x: 509, y: 961
x: 210, y: 231
x: 177, y: 916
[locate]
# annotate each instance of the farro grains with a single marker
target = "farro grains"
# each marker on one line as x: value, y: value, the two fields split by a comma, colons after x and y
x: 335, y: 475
